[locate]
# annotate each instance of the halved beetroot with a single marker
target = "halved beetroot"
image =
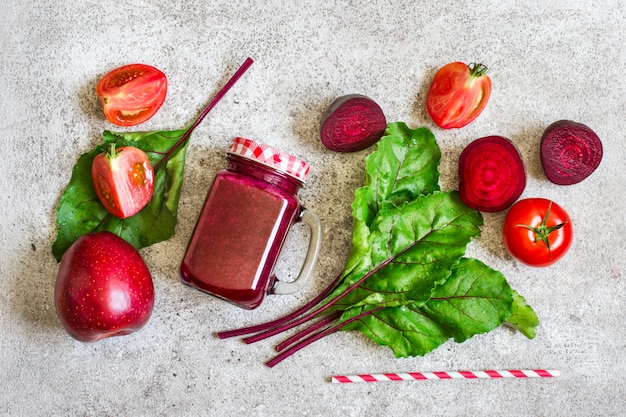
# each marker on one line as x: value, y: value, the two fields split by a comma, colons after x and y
x: 352, y: 123
x: 491, y: 174
x: 570, y: 152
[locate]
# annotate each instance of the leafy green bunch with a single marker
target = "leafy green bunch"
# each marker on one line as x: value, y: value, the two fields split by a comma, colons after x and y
x: 81, y: 212
x: 409, y: 244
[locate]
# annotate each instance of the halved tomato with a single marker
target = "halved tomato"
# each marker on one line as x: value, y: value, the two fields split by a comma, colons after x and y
x: 123, y: 180
x: 458, y: 94
x: 132, y: 94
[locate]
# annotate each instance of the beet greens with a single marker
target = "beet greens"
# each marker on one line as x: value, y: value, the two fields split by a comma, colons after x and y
x: 406, y: 283
x: 80, y: 210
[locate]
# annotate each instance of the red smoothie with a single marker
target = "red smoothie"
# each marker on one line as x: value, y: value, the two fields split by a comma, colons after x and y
x: 240, y: 232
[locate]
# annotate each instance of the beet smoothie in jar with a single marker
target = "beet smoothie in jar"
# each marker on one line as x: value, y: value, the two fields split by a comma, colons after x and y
x: 243, y: 225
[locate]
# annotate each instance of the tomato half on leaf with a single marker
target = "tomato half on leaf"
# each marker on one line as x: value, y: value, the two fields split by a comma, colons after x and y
x: 537, y: 231
x: 458, y: 94
x: 123, y: 180
x: 132, y: 94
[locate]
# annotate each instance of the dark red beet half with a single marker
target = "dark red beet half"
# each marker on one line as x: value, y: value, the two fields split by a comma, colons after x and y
x: 352, y: 123
x: 491, y: 174
x: 570, y: 152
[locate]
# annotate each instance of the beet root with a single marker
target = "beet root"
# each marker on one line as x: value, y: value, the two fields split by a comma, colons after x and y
x: 570, y: 152
x: 352, y: 123
x: 491, y: 174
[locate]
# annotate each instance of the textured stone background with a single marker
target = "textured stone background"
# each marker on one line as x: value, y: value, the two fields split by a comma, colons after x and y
x: 549, y: 61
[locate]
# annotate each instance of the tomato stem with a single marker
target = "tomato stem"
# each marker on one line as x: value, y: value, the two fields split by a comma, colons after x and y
x: 112, y: 151
x: 542, y: 232
x: 477, y: 70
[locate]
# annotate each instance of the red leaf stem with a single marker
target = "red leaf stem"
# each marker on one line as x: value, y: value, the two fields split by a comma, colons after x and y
x: 300, y: 335
x: 315, y: 312
x: 242, y: 69
x: 282, y: 320
x: 317, y: 336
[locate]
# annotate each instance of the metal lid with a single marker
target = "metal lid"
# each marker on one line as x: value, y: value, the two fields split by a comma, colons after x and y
x: 270, y: 156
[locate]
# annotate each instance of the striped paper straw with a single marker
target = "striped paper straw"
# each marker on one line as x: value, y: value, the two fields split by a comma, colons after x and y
x: 421, y: 376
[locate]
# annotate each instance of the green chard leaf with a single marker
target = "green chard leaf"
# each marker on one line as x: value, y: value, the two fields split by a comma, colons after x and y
x: 523, y: 318
x: 404, y: 328
x: 406, y: 284
x: 412, y: 249
x: 80, y: 211
x: 403, y: 167
x: 474, y: 299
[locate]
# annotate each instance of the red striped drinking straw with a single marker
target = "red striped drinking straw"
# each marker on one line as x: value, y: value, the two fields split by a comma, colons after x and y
x: 421, y: 376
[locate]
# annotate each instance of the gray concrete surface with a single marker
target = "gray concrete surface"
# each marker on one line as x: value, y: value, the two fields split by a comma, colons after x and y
x: 548, y: 61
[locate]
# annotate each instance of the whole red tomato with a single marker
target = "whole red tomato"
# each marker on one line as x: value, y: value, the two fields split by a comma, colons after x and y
x: 132, y: 94
x: 537, y: 231
x: 123, y: 180
x: 458, y: 94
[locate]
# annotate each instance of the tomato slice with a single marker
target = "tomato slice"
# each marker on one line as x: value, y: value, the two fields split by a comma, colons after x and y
x: 458, y: 94
x: 132, y: 94
x: 123, y: 180
x: 537, y: 232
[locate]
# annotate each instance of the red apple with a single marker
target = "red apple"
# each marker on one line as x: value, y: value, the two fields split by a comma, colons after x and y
x: 103, y: 288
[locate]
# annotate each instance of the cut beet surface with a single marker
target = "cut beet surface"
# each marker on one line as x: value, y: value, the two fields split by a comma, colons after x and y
x: 491, y: 174
x: 352, y: 123
x: 570, y: 152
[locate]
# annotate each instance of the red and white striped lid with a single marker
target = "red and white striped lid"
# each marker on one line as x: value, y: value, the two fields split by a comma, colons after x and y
x: 270, y: 156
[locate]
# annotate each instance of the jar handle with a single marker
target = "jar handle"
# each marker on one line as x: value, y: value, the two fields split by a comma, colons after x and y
x: 315, y: 242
